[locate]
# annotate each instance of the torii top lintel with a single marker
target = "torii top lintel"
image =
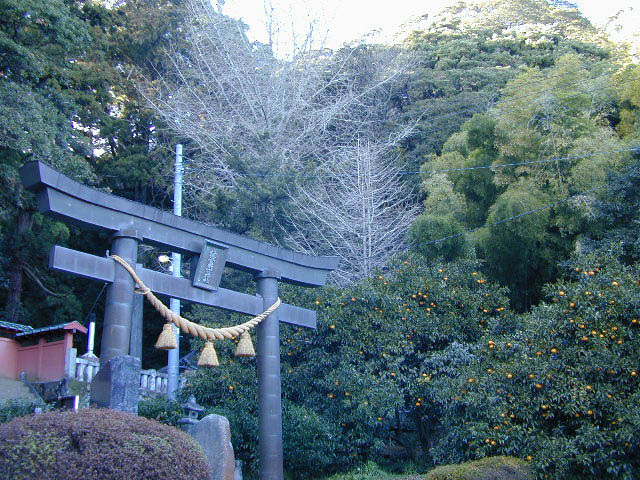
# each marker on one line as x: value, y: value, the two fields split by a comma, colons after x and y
x: 63, y: 198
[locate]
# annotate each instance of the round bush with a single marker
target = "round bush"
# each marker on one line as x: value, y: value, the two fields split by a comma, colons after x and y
x: 97, y: 444
x: 490, y: 468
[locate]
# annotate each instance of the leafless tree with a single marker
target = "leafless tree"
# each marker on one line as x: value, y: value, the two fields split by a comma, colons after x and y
x: 254, y: 115
x: 358, y: 208
x: 235, y: 99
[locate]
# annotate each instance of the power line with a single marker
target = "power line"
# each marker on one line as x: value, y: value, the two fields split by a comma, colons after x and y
x: 477, y: 108
x: 469, y: 109
x: 548, y: 160
x: 530, y: 212
x: 479, y: 167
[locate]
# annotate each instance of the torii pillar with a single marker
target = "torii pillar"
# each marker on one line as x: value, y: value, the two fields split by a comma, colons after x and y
x: 116, y: 331
x: 269, y: 388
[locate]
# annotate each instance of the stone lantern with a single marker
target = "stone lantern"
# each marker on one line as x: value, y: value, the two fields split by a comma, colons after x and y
x: 191, y: 412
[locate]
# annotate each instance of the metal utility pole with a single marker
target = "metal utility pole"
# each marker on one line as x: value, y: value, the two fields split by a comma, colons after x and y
x: 92, y: 335
x: 173, y: 369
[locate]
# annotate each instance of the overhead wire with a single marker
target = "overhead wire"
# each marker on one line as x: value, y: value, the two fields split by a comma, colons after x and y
x: 514, y: 217
x: 548, y: 160
x: 478, y: 108
x: 469, y: 109
x: 493, y: 166
x: 500, y: 108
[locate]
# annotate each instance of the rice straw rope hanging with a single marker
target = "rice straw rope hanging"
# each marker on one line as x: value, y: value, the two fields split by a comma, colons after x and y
x: 167, y: 339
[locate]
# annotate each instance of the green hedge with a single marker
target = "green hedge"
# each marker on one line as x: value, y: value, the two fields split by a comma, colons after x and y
x: 20, y: 407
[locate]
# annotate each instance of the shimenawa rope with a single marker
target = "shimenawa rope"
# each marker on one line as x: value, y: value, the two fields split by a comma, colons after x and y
x: 188, y: 326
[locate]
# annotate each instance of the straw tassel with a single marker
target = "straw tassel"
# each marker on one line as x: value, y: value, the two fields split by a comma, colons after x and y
x: 167, y: 338
x: 245, y: 346
x: 208, y: 357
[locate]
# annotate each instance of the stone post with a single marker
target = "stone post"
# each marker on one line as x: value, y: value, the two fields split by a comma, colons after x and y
x: 269, y: 387
x: 135, y: 344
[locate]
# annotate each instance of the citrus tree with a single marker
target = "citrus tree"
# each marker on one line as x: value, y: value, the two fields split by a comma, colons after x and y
x: 377, y: 347
x: 356, y: 385
x: 556, y: 386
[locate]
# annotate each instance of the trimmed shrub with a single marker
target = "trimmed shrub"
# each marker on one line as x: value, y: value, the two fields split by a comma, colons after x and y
x: 371, y: 471
x: 491, y: 468
x: 97, y: 444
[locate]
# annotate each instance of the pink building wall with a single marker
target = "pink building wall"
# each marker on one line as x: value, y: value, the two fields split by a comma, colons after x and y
x: 43, y: 362
x: 9, y: 357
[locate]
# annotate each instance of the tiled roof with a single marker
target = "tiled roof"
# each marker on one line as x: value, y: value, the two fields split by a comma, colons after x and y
x: 61, y: 326
x: 15, y: 326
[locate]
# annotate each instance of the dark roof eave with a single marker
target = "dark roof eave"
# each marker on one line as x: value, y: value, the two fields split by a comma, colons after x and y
x: 63, y: 326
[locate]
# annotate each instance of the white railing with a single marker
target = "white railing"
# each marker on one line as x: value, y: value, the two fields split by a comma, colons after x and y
x: 151, y: 381
x: 86, y: 369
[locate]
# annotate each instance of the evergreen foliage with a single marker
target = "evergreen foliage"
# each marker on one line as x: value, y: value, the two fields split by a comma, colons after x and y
x: 425, y: 356
x: 364, y: 371
x: 548, y: 140
x: 20, y: 407
x: 497, y: 468
x: 557, y: 388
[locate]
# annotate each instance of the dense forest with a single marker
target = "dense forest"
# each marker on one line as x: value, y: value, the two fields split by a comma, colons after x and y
x: 478, y: 180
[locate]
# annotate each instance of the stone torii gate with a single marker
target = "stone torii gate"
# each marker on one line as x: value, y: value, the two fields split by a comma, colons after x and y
x: 210, y: 249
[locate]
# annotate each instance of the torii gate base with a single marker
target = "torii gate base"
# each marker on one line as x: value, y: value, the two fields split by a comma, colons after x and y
x: 210, y: 250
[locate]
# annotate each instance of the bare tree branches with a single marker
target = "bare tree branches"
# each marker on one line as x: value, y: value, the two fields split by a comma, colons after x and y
x: 358, y: 208
x: 235, y: 99
x: 258, y: 121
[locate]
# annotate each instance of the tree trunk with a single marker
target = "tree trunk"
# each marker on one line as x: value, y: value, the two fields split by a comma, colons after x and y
x: 16, y: 268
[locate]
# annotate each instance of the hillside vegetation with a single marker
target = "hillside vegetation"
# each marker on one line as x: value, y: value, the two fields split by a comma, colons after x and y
x: 477, y: 179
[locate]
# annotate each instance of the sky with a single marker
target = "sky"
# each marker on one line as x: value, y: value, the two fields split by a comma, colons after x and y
x: 348, y: 20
